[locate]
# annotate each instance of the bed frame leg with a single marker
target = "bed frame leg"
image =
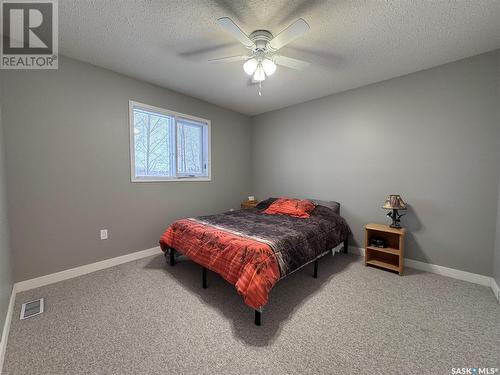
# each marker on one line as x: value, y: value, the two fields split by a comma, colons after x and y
x: 258, y: 317
x: 172, y: 257
x: 204, y: 278
x: 346, y: 246
x: 315, y: 274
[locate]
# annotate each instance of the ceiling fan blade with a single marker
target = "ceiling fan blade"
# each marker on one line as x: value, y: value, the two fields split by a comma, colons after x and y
x: 211, y: 51
x: 228, y: 59
x: 290, y: 63
x: 292, y: 32
x: 233, y: 29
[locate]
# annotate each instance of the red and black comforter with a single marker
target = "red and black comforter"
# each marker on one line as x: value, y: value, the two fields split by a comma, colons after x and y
x: 252, y: 250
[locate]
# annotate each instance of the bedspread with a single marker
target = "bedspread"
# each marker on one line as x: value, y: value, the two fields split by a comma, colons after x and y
x: 252, y: 250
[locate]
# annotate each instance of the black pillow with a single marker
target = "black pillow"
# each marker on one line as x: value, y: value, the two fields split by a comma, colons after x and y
x: 332, y: 205
x: 262, y: 205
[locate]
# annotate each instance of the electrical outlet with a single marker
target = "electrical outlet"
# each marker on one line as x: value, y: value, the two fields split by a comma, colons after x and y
x: 104, y: 234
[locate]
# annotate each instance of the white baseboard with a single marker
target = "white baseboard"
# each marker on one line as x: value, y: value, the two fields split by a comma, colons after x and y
x: 92, y: 267
x: 82, y: 270
x: 495, y: 289
x: 440, y: 270
x: 450, y: 272
x: 6, y: 328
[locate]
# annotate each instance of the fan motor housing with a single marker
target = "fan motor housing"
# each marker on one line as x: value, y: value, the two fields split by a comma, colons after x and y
x: 261, y: 40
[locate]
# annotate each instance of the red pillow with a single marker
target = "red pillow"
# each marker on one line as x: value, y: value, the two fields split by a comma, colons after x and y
x: 291, y: 207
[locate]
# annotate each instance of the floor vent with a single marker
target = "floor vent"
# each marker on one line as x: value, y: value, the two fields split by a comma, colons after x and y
x: 32, y: 308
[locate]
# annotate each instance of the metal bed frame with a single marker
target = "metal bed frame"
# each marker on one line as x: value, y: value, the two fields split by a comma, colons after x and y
x: 258, y: 313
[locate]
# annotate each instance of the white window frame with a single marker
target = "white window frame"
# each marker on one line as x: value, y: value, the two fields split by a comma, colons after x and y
x: 166, y: 112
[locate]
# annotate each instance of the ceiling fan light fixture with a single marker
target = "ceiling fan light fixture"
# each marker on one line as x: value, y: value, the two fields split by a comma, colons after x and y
x: 260, y: 74
x: 269, y: 66
x: 250, y: 66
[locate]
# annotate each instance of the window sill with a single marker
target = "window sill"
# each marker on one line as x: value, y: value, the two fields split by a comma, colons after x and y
x: 187, y: 179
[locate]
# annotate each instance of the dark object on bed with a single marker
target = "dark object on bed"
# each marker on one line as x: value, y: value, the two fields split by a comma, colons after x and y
x: 276, y: 246
x: 332, y: 205
x: 262, y: 205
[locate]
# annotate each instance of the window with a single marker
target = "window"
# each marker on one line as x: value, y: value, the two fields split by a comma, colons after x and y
x: 168, y: 146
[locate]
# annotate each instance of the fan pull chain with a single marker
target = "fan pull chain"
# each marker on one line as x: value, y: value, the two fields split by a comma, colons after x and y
x: 260, y: 88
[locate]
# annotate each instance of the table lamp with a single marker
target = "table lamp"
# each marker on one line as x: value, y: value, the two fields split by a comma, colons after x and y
x: 394, y: 202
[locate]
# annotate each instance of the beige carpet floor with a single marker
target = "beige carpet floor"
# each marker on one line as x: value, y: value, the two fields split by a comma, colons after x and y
x: 145, y: 317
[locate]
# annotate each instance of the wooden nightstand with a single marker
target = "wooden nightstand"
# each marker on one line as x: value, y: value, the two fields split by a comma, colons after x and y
x: 389, y: 257
x: 249, y: 204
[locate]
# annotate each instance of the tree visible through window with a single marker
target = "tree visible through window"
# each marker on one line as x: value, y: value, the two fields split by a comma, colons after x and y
x: 167, y: 145
x: 152, y: 144
x: 190, y: 146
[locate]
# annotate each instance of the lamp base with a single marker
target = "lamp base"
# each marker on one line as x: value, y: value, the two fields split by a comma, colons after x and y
x: 395, y: 216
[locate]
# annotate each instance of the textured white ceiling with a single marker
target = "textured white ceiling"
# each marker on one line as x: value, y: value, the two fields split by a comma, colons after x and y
x: 351, y: 43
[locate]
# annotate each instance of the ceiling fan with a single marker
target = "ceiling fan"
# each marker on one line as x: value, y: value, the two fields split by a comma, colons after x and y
x: 263, y: 57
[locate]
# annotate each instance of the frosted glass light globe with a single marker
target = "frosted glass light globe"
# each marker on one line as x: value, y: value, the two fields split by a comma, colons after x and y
x: 269, y: 66
x: 259, y: 75
x: 250, y: 66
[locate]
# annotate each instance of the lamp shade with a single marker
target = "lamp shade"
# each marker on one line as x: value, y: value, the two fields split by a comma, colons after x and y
x: 394, y: 202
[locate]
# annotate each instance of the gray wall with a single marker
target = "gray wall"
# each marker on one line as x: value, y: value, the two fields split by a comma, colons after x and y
x: 67, y: 152
x: 5, y: 256
x: 430, y: 136
x: 496, y: 261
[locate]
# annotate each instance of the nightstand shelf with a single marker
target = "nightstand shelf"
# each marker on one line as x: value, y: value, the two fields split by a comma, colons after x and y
x: 389, y: 257
x: 382, y: 264
x: 388, y: 250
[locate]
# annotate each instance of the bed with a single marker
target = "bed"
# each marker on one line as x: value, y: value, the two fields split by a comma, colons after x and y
x: 253, y: 250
